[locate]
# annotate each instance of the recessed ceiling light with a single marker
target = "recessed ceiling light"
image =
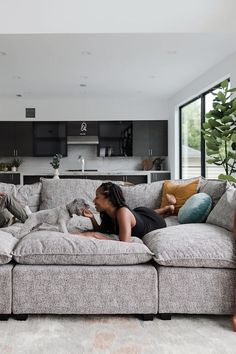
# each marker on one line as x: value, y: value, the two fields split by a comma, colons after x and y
x: 86, y: 52
x: 17, y: 77
x: 18, y: 95
x: 3, y: 53
x: 171, y: 52
x: 83, y: 85
x: 152, y: 76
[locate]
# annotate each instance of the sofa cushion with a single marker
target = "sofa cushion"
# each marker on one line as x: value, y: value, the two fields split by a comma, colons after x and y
x: 192, y: 245
x: 7, y: 243
x: 145, y: 195
x: 56, y: 192
x: 215, y: 188
x: 181, y: 191
x: 8, y: 188
x: 195, y: 209
x: 50, y: 247
x: 29, y: 194
x: 223, y: 213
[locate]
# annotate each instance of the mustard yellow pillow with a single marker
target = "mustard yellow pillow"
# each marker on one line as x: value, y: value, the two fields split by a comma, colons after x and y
x: 181, y: 192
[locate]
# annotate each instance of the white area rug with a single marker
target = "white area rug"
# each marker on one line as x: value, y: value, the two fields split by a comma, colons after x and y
x: 118, y: 335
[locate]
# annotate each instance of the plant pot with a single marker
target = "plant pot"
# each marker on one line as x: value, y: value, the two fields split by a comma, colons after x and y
x: 56, y: 173
x: 14, y: 168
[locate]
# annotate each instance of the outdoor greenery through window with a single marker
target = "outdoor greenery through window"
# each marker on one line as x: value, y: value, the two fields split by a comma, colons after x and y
x: 193, y: 154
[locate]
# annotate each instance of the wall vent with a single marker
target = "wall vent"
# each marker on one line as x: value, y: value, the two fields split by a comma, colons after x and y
x: 30, y: 113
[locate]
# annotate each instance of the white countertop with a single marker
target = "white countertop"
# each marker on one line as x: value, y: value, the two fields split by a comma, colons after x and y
x: 90, y: 173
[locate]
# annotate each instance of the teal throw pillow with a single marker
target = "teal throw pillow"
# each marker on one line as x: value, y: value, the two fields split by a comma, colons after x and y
x: 195, y: 209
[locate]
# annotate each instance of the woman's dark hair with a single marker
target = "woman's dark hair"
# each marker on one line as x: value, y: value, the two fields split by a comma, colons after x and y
x: 114, y: 193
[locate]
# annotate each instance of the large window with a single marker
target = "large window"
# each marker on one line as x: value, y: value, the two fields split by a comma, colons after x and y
x: 193, y: 154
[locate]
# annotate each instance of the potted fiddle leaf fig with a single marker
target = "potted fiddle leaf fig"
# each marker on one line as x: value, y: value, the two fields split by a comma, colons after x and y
x: 219, y: 131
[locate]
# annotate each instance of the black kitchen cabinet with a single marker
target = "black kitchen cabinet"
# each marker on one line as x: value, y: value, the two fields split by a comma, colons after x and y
x: 16, y: 139
x: 150, y: 138
x: 50, y: 138
x: 13, y: 178
x: 115, y: 138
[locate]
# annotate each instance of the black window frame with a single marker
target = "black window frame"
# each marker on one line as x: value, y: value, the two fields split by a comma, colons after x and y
x: 202, y: 97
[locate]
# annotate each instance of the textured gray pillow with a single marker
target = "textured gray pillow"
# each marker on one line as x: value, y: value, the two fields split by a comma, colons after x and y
x: 7, y: 243
x: 223, y: 213
x: 8, y: 188
x: 215, y: 188
x: 48, y: 247
x: 192, y: 245
x: 146, y: 195
x: 29, y: 194
x: 56, y: 192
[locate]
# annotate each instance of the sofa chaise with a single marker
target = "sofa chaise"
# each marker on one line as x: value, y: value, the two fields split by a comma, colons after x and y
x: 184, y: 268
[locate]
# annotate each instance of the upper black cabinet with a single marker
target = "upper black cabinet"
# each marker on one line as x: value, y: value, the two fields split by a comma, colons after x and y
x: 50, y: 138
x: 16, y: 139
x: 82, y: 128
x: 150, y: 138
x: 115, y: 138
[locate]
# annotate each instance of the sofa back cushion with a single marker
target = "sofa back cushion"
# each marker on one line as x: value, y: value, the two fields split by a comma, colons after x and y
x: 8, y: 188
x: 50, y: 247
x: 145, y: 195
x: 215, y: 188
x: 223, y: 213
x: 29, y: 194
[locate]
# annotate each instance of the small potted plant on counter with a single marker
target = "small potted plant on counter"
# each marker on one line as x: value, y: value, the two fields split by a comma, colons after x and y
x: 56, y: 164
x: 16, y: 162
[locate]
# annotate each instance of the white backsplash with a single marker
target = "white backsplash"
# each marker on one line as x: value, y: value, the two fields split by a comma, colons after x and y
x: 89, y: 152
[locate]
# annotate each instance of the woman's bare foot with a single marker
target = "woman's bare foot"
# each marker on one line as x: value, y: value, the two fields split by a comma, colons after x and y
x: 171, y: 199
x: 234, y: 323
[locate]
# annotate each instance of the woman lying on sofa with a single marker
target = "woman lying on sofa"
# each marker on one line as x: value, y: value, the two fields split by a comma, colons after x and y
x: 117, y: 218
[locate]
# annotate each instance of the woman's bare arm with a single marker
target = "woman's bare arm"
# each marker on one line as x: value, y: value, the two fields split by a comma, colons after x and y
x: 126, y: 221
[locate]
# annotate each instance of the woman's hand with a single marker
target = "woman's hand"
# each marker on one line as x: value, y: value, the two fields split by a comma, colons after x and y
x: 87, y: 213
x: 2, y: 194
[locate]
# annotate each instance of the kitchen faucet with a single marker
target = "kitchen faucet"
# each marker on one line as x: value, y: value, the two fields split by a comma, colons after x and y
x: 81, y: 158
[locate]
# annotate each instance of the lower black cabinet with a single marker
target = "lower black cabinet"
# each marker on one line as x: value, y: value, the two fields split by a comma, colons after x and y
x: 13, y: 178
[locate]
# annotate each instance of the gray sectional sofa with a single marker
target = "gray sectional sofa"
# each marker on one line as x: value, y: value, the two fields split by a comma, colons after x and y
x: 184, y: 268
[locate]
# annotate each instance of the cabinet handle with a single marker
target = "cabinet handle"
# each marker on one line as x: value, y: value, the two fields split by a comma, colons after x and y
x: 150, y: 152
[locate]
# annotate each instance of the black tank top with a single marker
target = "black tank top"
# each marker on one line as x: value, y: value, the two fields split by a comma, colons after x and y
x: 146, y: 220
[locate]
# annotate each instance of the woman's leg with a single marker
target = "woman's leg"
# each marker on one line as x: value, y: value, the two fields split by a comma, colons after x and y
x: 168, y: 209
x: 10, y: 203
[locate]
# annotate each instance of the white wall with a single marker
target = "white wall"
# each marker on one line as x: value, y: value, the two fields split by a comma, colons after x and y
x: 84, y: 109
x: 225, y: 69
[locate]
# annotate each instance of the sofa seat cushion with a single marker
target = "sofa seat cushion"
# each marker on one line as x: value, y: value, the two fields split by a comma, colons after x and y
x: 192, y: 245
x: 7, y: 244
x: 50, y: 247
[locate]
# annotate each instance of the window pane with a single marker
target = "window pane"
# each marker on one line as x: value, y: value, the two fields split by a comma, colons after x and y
x: 212, y: 171
x: 191, y: 139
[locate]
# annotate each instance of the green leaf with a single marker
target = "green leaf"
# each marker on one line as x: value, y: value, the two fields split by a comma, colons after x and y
x: 227, y: 178
x: 224, y: 84
x: 232, y: 90
x: 212, y: 146
x: 221, y: 96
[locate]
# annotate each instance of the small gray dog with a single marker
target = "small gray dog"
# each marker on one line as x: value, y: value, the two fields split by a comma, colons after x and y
x: 57, y: 216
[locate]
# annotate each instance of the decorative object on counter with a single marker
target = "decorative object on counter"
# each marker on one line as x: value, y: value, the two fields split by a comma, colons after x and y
x: 16, y: 162
x: 148, y: 164
x: 158, y: 163
x: 5, y: 166
x: 56, y: 164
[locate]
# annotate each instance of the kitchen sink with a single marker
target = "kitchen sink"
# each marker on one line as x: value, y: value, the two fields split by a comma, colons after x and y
x: 79, y: 170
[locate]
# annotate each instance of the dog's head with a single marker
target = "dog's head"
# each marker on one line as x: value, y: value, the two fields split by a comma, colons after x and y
x: 76, y: 205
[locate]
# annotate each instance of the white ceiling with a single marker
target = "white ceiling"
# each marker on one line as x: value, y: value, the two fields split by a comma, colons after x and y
x: 110, y: 65
x: 117, y: 48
